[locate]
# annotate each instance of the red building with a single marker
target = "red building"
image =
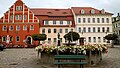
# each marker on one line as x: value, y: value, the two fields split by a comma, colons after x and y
x: 18, y: 24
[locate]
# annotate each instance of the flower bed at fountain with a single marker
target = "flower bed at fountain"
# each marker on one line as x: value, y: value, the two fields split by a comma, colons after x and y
x: 93, y: 52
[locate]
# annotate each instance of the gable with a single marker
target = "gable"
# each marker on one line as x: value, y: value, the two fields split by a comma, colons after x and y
x: 19, y: 12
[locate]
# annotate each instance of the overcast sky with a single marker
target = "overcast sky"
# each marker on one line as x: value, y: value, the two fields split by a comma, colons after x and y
x: 109, y: 5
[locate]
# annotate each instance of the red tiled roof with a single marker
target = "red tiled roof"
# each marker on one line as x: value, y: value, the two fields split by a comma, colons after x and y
x: 87, y: 10
x: 52, y: 12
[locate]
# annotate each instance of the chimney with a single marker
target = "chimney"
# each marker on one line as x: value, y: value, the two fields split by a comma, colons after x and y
x: 118, y: 14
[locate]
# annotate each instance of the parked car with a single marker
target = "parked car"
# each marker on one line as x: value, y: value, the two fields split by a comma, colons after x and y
x: 2, y: 47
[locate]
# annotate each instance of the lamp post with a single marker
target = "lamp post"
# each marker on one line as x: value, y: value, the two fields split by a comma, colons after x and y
x: 58, y: 39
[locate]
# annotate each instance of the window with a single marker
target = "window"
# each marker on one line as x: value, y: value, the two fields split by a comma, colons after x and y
x: 25, y: 27
x: 31, y: 27
x: 17, y: 27
x: 93, y: 20
x: 82, y: 11
x: 79, y: 29
x: 10, y: 38
x: 103, y: 39
x: 89, y: 39
x: 94, y: 39
x: 94, y: 29
x: 89, y: 29
x: 98, y: 29
x: 18, y: 7
x: 11, y: 17
x: 4, y: 39
x: 54, y: 22
x: 61, y: 22
x: 60, y: 39
x: 93, y: 11
x: 66, y: 30
x: 49, y: 40
x: 18, y: 17
x: 98, y: 20
x: 10, y: 28
x: 107, y: 20
x: 68, y: 22
x: 79, y: 20
x: 99, y: 39
x: 108, y: 30
x: 88, y: 20
x: 60, y: 30
x: 55, y: 40
x: 103, y: 29
x: 55, y: 31
x: 49, y: 30
x: 84, y: 20
x: 4, y: 28
x: 84, y: 29
x: 43, y: 30
x: 102, y: 20
x: 71, y: 30
x: 46, y: 22
x: 25, y: 17
x: 17, y: 38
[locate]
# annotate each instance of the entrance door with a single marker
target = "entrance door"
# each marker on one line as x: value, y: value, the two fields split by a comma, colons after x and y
x: 29, y: 40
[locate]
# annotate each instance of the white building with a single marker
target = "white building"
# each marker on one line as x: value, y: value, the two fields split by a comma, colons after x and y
x: 116, y: 27
x: 92, y: 24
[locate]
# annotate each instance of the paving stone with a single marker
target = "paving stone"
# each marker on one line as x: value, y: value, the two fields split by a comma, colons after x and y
x: 27, y: 58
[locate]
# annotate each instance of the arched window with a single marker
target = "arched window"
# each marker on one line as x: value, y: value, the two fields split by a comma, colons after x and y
x: 93, y: 11
x: 82, y: 11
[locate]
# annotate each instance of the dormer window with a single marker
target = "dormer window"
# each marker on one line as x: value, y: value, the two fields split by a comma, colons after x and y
x: 103, y: 11
x: 82, y: 11
x: 18, y: 8
x: 92, y: 11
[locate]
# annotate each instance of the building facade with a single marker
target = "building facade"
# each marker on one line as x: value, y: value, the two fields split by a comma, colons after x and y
x: 54, y: 21
x: 20, y: 22
x: 116, y: 27
x: 92, y: 24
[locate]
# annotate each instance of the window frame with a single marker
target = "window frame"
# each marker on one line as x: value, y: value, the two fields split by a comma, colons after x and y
x: 31, y: 27
x: 49, y: 30
x: 4, y: 38
x: 43, y: 30
x: 79, y: 20
x: 94, y: 29
x: 66, y: 30
x: 98, y: 29
x: 84, y: 20
x: 54, y: 22
x: 18, y: 8
x: 17, y: 39
x: 98, y: 20
x: 11, y: 28
x: 55, y: 30
x: 60, y: 31
x: 89, y: 29
x: 89, y: 20
x: 61, y: 22
x: 24, y: 28
x: 4, y: 28
x: 17, y: 27
x: 93, y: 20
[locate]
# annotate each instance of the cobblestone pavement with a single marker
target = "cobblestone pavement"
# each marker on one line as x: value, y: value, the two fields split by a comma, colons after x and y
x: 27, y: 58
